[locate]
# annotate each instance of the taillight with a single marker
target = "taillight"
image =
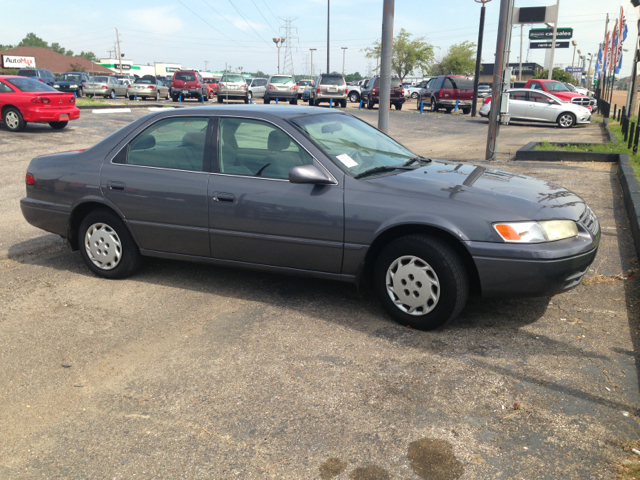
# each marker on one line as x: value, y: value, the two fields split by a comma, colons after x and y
x: 221, y: 85
x: 104, y: 86
x: 294, y: 87
x: 375, y: 90
x: 40, y: 79
x: 29, y: 179
x: 72, y: 100
x: 346, y: 90
x: 128, y: 86
x: 244, y: 86
x: 271, y: 87
x: 198, y: 85
x: 40, y: 100
x: 441, y: 93
x: 318, y: 90
x: 486, y: 100
x: 151, y: 87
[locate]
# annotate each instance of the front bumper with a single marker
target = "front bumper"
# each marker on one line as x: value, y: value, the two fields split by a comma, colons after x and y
x: 68, y: 88
x: 46, y: 115
x: 584, y: 118
x: 540, y: 270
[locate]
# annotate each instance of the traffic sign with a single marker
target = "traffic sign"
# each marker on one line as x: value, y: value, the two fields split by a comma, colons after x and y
x: 547, y: 34
x: 548, y: 45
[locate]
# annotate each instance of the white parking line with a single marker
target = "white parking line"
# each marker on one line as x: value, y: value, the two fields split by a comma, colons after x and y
x: 112, y: 110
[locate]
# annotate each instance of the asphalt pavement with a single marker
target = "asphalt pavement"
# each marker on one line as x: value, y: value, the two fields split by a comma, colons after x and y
x: 193, y: 371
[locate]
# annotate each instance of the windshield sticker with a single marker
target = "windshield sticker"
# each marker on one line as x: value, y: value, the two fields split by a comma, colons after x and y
x: 347, y: 160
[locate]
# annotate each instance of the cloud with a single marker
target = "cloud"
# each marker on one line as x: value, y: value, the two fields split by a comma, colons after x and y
x: 242, y: 24
x: 156, y: 19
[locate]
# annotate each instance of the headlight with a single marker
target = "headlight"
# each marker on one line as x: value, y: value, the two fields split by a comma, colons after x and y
x: 74, y: 86
x: 56, y: 86
x: 536, y: 232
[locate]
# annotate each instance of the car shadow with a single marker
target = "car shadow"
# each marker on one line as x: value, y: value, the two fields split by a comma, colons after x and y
x: 488, y: 332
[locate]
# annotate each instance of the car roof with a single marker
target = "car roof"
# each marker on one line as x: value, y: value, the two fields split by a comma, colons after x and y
x: 264, y: 111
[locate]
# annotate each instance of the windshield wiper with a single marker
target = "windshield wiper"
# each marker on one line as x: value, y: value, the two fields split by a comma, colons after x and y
x: 383, y: 168
x: 413, y: 160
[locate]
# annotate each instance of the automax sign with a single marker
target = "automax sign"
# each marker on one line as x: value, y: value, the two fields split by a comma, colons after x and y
x: 15, y: 61
x: 172, y: 69
x: 547, y: 34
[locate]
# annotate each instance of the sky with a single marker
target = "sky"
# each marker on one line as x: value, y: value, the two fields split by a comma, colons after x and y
x: 238, y: 33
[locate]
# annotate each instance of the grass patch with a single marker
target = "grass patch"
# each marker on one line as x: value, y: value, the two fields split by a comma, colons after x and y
x: 84, y: 102
x: 616, y: 129
x: 629, y: 467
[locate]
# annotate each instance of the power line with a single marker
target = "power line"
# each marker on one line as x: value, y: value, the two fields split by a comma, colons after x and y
x: 248, y: 23
x: 265, y: 18
x: 227, y: 20
x: 267, y: 5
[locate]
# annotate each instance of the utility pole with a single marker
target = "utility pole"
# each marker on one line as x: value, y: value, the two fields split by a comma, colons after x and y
x: 476, y: 79
x: 385, y: 66
x: 119, y: 54
x: 553, y: 43
x: 602, y: 80
x: 312, y: 50
x: 328, y: 43
x: 521, y: 37
x: 205, y: 66
x: 503, y: 44
x: 344, y: 51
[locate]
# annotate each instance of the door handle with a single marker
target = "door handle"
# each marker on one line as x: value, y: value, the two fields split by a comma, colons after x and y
x: 224, y: 197
x: 116, y: 185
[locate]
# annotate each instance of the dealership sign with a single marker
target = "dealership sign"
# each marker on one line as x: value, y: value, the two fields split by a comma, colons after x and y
x: 549, y: 44
x: 547, y: 34
x: 172, y: 69
x: 16, y: 61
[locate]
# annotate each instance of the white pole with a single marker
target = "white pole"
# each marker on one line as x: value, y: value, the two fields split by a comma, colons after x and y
x: 553, y: 44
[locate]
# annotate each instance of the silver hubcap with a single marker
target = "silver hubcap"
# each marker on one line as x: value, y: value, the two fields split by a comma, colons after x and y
x: 413, y: 285
x: 12, y: 120
x: 103, y: 246
x: 566, y: 120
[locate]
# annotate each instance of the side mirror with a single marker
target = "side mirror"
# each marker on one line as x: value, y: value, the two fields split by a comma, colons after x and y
x: 309, y: 174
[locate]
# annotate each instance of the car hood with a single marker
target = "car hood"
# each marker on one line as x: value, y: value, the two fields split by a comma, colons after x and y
x: 566, y: 95
x: 68, y: 82
x: 496, y: 195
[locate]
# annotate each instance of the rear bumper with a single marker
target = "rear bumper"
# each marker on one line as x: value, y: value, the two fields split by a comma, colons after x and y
x: 232, y: 93
x: 452, y: 103
x: 97, y: 91
x: 48, y: 219
x: 141, y: 93
x: 50, y: 114
x: 186, y: 92
x: 290, y: 95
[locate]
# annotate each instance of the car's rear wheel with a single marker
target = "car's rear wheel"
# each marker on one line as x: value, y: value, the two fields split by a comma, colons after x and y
x: 131, y: 97
x: 354, y: 97
x: 106, y: 245
x: 267, y: 101
x: 398, y: 106
x: 157, y: 96
x: 249, y: 95
x: 312, y: 102
x: 13, y: 120
x: 566, y: 120
x: 421, y: 281
x: 448, y: 109
x: 220, y: 100
x: 294, y: 101
x: 113, y: 95
x: 466, y: 111
x: 434, y: 105
x: 343, y: 103
x: 370, y: 104
x: 58, y: 125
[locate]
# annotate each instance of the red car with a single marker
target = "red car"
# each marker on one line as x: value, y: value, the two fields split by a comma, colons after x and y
x: 24, y: 100
x: 212, y: 85
x: 560, y: 90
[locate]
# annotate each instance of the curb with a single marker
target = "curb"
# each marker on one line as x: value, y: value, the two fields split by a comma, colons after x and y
x: 608, y: 133
x: 528, y: 152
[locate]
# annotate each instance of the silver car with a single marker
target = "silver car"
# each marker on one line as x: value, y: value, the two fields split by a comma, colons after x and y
x: 282, y: 88
x: 148, y: 88
x: 536, y: 106
x: 484, y: 91
x: 102, y: 87
x: 232, y: 86
x: 257, y: 88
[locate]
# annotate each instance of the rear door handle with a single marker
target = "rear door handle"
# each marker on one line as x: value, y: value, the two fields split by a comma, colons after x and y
x: 224, y: 197
x: 116, y: 185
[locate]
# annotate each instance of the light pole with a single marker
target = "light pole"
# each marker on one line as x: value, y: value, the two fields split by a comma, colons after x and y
x: 312, y: 50
x: 278, y: 41
x: 476, y: 79
x: 575, y: 44
x: 328, y: 43
x: 344, y: 51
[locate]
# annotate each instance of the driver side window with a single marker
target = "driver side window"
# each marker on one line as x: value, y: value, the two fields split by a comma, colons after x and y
x: 257, y: 148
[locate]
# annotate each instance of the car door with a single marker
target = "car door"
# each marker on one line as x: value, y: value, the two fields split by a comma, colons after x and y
x: 121, y: 88
x: 257, y: 216
x: 259, y: 88
x: 158, y: 181
x: 541, y: 107
x: 518, y: 103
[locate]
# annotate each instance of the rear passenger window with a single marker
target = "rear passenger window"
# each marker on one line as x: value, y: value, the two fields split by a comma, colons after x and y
x: 172, y: 143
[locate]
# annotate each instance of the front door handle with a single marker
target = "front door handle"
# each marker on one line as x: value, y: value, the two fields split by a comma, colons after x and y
x: 224, y: 197
x: 116, y: 185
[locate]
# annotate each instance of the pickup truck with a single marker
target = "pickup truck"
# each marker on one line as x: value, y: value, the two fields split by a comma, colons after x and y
x: 560, y: 90
x: 354, y: 93
x: 414, y: 92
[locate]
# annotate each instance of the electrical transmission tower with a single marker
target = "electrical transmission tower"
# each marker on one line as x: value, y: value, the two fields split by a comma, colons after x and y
x: 291, y: 36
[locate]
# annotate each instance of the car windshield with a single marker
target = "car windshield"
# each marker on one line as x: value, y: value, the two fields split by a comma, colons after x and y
x: 185, y: 76
x: 281, y: 80
x: 29, y: 85
x: 306, y: 82
x: 101, y: 79
x: 71, y: 77
x: 571, y: 87
x: 332, y: 80
x: 210, y: 80
x: 556, y: 87
x: 27, y: 73
x: 232, y: 78
x: 354, y: 145
x: 146, y: 81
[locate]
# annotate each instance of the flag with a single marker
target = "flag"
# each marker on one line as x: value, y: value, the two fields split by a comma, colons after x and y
x: 612, y: 48
x: 596, y: 70
x: 605, y: 55
x: 622, y: 36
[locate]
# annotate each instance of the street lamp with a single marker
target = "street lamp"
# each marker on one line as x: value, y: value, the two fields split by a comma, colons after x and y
x: 575, y: 44
x: 278, y: 41
x: 476, y: 79
x: 344, y: 51
x: 312, y: 50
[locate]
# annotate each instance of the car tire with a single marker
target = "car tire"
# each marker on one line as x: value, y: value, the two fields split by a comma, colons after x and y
x: 414, y: 95
x: 157, y: 99
x: 434, y: 105
x: 448, y: 109
x: 566, y: 120
x: 343, y: 103
x: 294, y: 101
x: 246, y: 99
x: 398, y: 106
x: 131, y: 98
x: 211, y: 95
x: 113, y: 95
x: 79, y: 93
x: 370, y: 104
x: 220, y: 100
x: 466, y: 111
x: 312, y: 102
x: 354, y: 97
x: 267, y: 101
x: 426, y: 267
x: 122, y: 256
x: 175, y: 99
x: 13, y: 120
x: 205, y: 95
x: 58, y: 125
x: 249, y: 95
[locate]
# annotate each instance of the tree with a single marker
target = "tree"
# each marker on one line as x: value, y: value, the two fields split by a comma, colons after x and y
x: 57, y: 48
x: 69, y: 53
x: 32, y: 40
x: 89, y: 56
x: 408, y: 54
x: 6, y: 47
x: 459, y: 60
x: 76, y: 67
x: 558, y: 74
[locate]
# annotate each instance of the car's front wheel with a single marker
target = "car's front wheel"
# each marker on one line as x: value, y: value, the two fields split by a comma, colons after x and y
x: 414, y: 95
x: 421, y: 281
x: 13, y: 120
x: 106, y: 245
x: 354, y: 97
x: 566, y: 120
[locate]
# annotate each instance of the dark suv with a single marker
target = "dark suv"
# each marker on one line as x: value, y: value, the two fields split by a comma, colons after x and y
x: 371, y: 93
x: 42, y: 74
x: 187, y: 84
x: 444, y: 91
x: 329, y: 87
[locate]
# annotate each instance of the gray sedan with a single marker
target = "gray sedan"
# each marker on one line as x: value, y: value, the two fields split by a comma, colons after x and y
x: 102, y: 87
x: 144, y: 88
x: 306, y: 191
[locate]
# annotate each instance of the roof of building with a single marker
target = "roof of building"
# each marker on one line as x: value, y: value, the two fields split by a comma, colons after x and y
x: 56, y: 62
